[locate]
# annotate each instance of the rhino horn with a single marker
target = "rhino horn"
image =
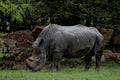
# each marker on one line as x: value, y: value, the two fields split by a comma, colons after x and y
x: 30, y: 59
x: 29, y: 42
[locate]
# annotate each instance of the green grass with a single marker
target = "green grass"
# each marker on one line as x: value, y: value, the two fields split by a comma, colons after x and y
x: 109, y: 71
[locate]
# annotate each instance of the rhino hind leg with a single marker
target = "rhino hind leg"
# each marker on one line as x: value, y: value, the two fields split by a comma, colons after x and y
x: 88, y: 60
x: 98, y: 56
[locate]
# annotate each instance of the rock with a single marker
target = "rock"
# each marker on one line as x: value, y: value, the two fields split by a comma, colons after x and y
x: 10, y: 43
x: 107, y: 51
x: 103, y: 59
x: 112, y: 56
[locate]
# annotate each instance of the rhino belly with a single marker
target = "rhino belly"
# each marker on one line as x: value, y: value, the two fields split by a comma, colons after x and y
x: 76, y: 54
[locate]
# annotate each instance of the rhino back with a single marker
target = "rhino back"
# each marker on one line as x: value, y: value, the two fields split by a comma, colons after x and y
x: 71, y: 40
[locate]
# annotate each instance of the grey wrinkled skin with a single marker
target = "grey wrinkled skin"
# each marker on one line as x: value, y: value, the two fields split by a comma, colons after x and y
x: 57, y: 41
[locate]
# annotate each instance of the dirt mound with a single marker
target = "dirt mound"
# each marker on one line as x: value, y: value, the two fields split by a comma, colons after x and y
x: 21, y: 37
x: 18, y: 54
x: 107, y: 33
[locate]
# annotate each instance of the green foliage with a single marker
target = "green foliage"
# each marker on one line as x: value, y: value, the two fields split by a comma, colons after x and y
x: 114, y: 27
x: 71, y: 12
x: 15, y: 11
x: 18, y: 59
x: 7, y: 55
x: 4, y: 56
x: 2, y: 34
x: 65, y: 12
x: 12, y: 13
x: 1, y: 56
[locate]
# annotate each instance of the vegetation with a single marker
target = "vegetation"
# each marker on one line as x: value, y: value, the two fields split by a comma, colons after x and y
x: 1, y: 35
x: 109, y: 71
x: 9, y: 54
x: 25, y: 14
x: 15, y: 14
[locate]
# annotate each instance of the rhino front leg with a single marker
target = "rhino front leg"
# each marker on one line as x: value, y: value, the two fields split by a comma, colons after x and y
x: 57, y: 65
x: 56, y: 61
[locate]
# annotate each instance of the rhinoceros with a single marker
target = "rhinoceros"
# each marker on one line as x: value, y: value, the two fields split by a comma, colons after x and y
x: 56, y: 41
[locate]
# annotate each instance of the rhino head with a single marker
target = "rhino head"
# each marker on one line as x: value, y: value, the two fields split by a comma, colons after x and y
x: 38, y: 58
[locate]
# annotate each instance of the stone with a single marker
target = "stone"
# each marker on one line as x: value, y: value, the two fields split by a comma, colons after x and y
x: 103, y: 59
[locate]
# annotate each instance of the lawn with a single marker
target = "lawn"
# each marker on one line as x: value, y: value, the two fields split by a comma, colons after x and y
x: 110, y: 70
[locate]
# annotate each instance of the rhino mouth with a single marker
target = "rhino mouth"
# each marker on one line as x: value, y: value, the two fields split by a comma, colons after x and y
x: 31, y: 65
x: 36, y: 62
x: 29, y: 62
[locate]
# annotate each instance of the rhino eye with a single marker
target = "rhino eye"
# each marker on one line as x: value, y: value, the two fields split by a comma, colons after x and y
x: 39, y: 60
x: 41, y: 41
